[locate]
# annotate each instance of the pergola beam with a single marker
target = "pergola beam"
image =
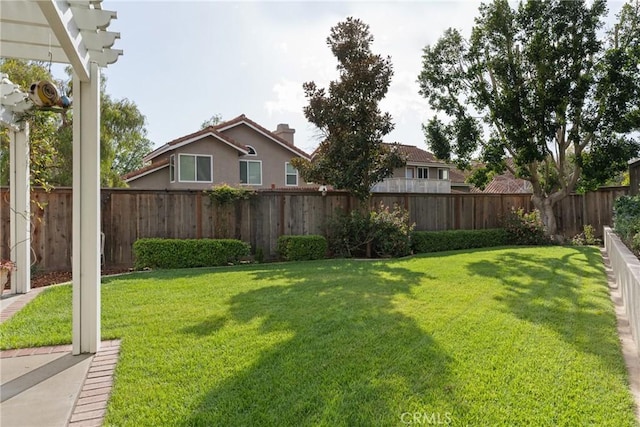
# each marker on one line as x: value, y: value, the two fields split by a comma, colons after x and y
x: 60, y: 18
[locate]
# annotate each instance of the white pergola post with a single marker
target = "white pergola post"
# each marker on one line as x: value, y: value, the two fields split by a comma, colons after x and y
x: 20, y: 215
x: 86, y: 213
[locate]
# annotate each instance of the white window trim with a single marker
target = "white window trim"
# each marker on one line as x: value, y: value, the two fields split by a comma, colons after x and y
x: 252, y: 161
x: 172, y: 166
x: 286, y: 174
x: 249, y: 148
x: 196, y: 156
x: 413, y: 172
x: 423, y: 168
x: 445, y: 170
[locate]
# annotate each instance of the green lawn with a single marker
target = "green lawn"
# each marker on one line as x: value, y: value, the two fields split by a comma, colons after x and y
x: 512, y: 336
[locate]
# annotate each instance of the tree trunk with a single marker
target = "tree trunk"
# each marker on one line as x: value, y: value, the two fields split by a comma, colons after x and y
x: 545, y: 206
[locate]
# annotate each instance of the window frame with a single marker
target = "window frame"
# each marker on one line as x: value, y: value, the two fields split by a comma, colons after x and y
x: 240, y: 172
x: 287, y: 174
x: 251, y: 151
x: 410, y: 169
x: 422, y: 170
x: 195, y: 156
x: 440, y: 170
x: 172, y: 168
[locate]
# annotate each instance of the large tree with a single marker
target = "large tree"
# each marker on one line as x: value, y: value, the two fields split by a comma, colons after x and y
x: 123, y: 141
x: 352, y: 155
x: 537, y: 85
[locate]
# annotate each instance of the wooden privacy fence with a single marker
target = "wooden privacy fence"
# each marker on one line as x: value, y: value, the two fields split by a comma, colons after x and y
x: 128, y: 215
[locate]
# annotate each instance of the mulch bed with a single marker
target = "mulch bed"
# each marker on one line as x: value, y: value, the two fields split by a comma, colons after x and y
x: 40, y: 280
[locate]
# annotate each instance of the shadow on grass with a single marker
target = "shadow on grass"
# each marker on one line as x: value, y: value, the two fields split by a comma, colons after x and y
x: 349, y: 358
x: 550, y: 292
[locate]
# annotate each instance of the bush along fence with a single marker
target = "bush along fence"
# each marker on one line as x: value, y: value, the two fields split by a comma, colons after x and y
x: 188, y: 253
x: 259, y: 220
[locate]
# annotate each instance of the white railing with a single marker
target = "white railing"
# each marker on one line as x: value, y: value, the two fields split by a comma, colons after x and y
x: 626, y: 269
x: 412, y: 185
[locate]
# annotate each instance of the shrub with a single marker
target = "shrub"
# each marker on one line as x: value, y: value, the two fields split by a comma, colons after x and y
x: 437, y: 241
x: 349, y: 234
x: 187, y: 253
x: 587, y: 237
x: 525, y: 228
x: 300, y: 248
x: 626, y: 217
x: 635, y: 243
x: 391, y: 232
x: 386, y: 231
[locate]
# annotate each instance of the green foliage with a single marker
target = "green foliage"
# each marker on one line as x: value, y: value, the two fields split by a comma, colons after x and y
x: 635, y: 243
x: 123, y: 141
x: 348, y: 234
x: 449, y: 240
x: 352, y: 155
x: 587, y: 237
x: 626, y: 217
x: 542, y: 85
x: 386, y: 232
x: 187, y: 253
x: 214, y: 120
x: 43, y: 127
x: 525, y: 228
x: 391, y: 231
x: 224, y: 194
x: 302, y: 248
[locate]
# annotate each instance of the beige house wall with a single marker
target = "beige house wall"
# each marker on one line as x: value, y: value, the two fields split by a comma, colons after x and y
x: 157, y: 180
x: 226, y: 162
x: 272, y: 155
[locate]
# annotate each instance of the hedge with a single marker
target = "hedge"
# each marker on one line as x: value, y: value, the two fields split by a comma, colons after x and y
x: 437, y: 241
x: 187, y: 253
x: 301, y: 248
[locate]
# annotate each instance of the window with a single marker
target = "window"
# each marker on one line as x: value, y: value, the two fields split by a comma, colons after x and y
x: 423, y: 173
x: 291, y: 174
x: 252, y: 151
x: 409, y: 173
x: 172, y: 168
x: 195, y: 168
x: 251, y: 172
x: 443, y: 173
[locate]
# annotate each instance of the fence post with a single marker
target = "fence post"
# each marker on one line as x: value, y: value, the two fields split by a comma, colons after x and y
x: 198, y: 215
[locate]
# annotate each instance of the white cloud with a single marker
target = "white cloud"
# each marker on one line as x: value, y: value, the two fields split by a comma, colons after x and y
x: 289, y: 98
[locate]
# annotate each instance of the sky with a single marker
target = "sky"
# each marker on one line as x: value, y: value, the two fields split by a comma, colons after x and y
x: 185, y: 61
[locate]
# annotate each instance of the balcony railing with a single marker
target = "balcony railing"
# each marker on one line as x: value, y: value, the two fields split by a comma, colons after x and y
x: 412, y: 185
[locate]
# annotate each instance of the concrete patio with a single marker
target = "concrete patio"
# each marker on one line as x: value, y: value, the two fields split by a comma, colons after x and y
x: 48, y: 386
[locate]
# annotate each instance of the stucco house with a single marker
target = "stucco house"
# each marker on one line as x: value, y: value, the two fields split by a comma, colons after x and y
x: 236, y: 152
x: 423, y: 173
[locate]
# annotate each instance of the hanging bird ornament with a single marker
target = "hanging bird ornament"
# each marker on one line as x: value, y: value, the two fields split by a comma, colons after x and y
x: 45, y: 94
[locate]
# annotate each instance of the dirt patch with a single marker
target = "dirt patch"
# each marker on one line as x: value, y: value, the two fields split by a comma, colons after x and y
x: 40, y: 280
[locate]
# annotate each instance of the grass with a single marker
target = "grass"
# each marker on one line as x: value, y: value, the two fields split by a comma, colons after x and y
x: 507, y: 337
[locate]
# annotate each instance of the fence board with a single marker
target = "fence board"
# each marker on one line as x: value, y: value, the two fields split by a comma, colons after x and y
x: 128, y: 215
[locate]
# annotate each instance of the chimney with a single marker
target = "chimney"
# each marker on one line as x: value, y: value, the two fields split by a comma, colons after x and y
x: 285, y: 132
